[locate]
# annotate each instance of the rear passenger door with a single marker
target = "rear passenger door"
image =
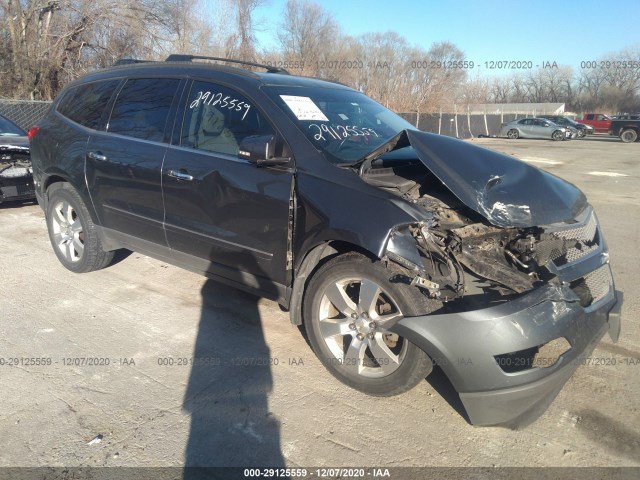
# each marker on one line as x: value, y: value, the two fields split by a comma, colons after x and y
x: 526, y: 126
x: 79, y: 113
x: 124, y: 162
x: 228, y: 213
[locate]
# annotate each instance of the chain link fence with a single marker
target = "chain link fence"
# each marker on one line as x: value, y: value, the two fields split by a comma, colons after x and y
x: 24, y: 113
x: 461, y: 125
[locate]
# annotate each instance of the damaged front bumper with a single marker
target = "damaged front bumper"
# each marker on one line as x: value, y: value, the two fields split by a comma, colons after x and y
x: 475, y: 349
x: 15, y: 189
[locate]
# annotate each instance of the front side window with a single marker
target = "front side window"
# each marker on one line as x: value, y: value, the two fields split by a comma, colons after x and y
x: 217, y: 119
x: 84, y: 104
x: 344, y: 125
x: 142, y: 108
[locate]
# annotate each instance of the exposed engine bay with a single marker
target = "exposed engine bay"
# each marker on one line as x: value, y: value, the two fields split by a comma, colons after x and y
x: 462, y: 253
x: 16, y: 175
x: 16, y: 166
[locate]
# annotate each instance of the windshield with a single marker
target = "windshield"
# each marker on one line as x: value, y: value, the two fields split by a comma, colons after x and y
x: 8, y: 129
x: 344, y: 125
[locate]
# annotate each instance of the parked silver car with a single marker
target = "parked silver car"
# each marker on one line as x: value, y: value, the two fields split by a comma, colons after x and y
x: 534, y: 128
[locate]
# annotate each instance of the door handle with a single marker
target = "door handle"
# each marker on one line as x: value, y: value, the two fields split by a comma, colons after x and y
x: 97, y: 156
x: 180, y: 175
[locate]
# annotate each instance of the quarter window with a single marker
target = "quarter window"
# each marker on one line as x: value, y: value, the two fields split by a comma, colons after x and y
x: 84, y: 104
x: 217, y: 119
x: 142, y: 108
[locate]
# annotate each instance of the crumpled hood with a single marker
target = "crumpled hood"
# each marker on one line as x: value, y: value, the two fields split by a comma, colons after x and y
x: 506, y: 191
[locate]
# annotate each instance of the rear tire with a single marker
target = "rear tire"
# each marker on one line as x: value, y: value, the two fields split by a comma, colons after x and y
x: 629, y: 136
x: 346, y: 306
x: 72, y: 233
x: 513, y: 134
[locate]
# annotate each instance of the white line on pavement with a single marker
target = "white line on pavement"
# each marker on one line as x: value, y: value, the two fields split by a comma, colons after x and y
x: 608, y: 174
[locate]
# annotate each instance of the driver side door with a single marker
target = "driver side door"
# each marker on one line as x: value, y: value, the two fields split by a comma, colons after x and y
x: 228, y: 215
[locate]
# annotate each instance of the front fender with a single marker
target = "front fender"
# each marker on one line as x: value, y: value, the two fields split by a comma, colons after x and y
x: 351, y: 212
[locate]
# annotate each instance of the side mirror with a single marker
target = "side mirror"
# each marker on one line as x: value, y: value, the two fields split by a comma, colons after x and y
x: 260, y: 149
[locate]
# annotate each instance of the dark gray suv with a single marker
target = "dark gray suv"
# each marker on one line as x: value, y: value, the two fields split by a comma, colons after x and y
x: 395, y: 248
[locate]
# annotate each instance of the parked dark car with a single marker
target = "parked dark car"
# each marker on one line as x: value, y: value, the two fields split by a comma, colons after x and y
x: 582, y: 129
x: 16, y: 179
x: 395, y: 248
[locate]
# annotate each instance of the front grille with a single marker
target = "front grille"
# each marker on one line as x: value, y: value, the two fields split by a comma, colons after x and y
x: 586, y: 236
x: 599, y: 282
x: 594, y: 286
x: 17, y: 191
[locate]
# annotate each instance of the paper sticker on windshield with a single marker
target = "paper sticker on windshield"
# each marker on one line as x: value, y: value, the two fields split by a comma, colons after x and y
x: 304, y: 108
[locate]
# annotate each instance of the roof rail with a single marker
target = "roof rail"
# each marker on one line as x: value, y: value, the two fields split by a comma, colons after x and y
x: 129, y: 61
x: 178, y: 57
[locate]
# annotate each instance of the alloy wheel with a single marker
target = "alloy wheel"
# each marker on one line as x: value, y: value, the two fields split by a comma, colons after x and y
x: 68, y: 234
x: 353, y: 320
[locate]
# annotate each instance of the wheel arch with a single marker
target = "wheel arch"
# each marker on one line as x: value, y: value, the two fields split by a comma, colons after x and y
x: 313, y: 259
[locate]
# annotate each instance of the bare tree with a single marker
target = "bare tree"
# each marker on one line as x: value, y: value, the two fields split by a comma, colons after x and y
x: 433, y: 78
x: 307, y: 32
x: 241, y: 43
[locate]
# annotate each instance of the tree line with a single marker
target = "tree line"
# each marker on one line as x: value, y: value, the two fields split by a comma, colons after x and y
x: 44, y: 44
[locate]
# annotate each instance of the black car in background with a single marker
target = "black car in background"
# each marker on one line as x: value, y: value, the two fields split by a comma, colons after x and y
x: 394, y: 248
x: 16, y: 179
x: 582, y: 129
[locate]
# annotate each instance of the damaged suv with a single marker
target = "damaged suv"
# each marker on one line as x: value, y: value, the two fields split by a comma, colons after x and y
x: 395, y: 248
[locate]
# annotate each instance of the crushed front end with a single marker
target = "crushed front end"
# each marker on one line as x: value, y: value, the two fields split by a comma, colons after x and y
x: 535, y: 302
x: 518, y: 262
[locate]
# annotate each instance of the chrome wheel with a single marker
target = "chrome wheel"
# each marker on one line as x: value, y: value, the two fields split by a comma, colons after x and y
x: 557, y: 135
x: 353, y: 317
x: 68, y: 235
x: 513, y: 133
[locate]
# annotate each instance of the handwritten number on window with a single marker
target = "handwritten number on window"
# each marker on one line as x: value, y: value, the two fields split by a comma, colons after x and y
x: 339, y: 132
x: 216, y: 99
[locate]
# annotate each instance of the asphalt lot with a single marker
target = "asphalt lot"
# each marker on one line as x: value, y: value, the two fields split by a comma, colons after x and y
x: 136, y: 404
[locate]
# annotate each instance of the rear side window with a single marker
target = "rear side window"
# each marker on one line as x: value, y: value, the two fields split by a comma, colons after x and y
x: 142, y: 108
x: 84, y: 104
x: 590, y: 117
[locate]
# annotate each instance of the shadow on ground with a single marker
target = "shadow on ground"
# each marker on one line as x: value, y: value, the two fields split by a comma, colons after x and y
x: 227, y: 393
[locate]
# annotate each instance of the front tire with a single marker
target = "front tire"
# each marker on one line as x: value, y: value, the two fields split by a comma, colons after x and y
x: 557, y: 135
x: 348, y: 305
x: 72, y: 233
x: 629, y: 136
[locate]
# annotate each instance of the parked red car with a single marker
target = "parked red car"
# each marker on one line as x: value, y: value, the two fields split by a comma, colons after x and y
x: 599, y: 121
